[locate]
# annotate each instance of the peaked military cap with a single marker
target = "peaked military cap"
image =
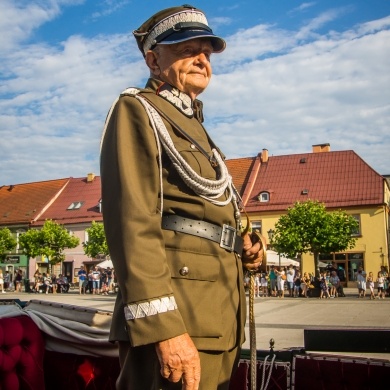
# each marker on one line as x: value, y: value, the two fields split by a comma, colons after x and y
x: 174, y: 25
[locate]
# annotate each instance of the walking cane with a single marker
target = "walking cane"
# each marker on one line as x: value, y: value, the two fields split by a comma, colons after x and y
x: 252, y: 322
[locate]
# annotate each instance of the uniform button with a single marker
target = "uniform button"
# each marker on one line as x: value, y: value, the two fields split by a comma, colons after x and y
x: 193, y: 146
x: 184, y: 271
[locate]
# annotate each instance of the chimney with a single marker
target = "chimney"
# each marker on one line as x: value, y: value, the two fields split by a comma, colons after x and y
x: 320, y: 148
x: 264, y: 156
x: 90, y: 177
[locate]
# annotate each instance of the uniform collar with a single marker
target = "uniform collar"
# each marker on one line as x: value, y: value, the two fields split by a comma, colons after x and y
x: 179, y: 99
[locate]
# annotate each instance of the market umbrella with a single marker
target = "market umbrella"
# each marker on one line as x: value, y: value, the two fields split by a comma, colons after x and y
x: 105, y: 264
x: 273, y: 259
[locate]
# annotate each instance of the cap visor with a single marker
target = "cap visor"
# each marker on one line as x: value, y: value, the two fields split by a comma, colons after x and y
x: 218, y: 43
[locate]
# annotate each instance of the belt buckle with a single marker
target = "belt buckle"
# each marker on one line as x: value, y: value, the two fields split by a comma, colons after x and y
x: 228, y: 238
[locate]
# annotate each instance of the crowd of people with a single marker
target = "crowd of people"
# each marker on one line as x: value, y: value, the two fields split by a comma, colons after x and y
x: 11, y: 282
x: 291, y: 282
x: 96, y: 281
x: 370, y: 281
x: 279, y: 281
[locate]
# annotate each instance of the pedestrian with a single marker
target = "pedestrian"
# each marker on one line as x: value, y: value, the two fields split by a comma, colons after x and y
x: 2, y: 282
x: 167, y: 195
x: 18, y: 280
x: 290, y: 274
x: 324, y: 286
x: 109, y: 278
x: 381, y: 285
x: 297, y: 284
x: 361, y: 282
x: 273, y: 280
x: 95, y: 280
x: 7, y: 280
x: 385, y: 275
x: 82, y: 275
x: 264, y: 284
x: 280, y: 280
x: 371, y: 284
x: 54, y: 283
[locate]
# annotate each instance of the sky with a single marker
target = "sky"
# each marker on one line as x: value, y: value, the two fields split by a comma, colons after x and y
x: 294, y: 74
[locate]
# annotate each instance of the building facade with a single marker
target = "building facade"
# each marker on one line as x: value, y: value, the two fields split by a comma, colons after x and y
x: 341, y: 180
x: 73, y: 203
x: 268, y: 186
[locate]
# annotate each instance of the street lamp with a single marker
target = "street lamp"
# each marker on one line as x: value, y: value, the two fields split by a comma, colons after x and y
x: 271, y: 233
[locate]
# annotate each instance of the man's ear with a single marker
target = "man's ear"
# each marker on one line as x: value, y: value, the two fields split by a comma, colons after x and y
x: 151, y: 61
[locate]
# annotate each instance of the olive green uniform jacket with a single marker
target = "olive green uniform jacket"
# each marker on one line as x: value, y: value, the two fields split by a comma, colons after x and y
x: 156, y: 301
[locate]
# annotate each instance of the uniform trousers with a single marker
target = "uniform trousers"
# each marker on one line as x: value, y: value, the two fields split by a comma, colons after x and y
x: 140, y: 369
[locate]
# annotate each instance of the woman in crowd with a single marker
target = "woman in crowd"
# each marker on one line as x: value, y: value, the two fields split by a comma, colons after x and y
x: 297, y: 283
x: 47, y: 283
x: 324, y: 286
x: 2, y: 282
x: 305, y: 281
x: 371, y: 285
x: 280, y: 279
x: 264, y: 284
x: 18, y: 280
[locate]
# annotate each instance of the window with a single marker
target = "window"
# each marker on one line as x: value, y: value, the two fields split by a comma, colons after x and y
x: 75, y: 205
x: 257, y: 225
x: 263, y: 196
x: 357, y: 232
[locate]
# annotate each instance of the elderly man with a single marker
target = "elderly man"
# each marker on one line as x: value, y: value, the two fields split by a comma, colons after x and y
x: 172, y: 219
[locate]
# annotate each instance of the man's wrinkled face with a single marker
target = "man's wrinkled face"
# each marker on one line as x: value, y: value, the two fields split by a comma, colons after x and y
x: 185, y: 65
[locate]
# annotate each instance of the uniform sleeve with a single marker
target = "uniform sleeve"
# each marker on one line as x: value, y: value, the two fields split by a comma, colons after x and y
x: 132, y: 222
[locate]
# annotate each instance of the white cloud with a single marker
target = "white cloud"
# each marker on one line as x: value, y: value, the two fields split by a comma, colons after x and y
x: 18, y: 18
x: 334, y: 89
x: 275, y: 89
x: 109, y: 7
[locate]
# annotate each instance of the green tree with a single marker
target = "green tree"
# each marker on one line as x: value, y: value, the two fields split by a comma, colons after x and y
x: 97, y: 243
x: 7, y: 242
x: 308, y: 227
x: 50, y: 242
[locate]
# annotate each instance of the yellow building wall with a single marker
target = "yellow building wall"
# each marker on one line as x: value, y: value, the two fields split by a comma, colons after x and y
x: 372, y: 242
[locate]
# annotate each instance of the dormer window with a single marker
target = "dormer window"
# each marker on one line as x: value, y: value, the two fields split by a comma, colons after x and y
x: 75, y: 205
x: 263, y: 196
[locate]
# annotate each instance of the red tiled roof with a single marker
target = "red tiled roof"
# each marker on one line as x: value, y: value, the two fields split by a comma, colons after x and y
x: 240, y: 170
x: 78, y: 190
x: 339, y: 179
x: 22, y: 203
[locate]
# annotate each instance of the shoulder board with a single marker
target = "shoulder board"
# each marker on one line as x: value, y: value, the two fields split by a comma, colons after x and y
x: 130, y: 92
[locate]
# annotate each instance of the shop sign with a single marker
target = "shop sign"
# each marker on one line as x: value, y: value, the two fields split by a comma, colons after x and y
x: 12, y: 259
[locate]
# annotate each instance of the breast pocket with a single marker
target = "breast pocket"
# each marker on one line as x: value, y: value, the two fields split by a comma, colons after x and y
x: 198, y: 161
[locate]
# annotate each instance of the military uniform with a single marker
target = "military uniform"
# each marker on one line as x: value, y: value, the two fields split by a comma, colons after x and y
x: 170, y: 282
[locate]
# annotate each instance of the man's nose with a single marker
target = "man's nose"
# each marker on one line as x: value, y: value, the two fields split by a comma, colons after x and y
x: 202, y: 58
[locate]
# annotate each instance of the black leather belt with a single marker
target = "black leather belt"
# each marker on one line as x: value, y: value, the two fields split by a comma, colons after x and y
x: 226, y: 236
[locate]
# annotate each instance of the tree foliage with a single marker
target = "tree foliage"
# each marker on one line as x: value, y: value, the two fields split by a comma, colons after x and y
x: 50, y: 242
x: 308, y: 227
x: 97, y: 243
x: 7, y: 242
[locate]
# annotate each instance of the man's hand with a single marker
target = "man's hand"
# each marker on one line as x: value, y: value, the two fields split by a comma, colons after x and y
x: 179, y: 358
x: 253, y: 252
